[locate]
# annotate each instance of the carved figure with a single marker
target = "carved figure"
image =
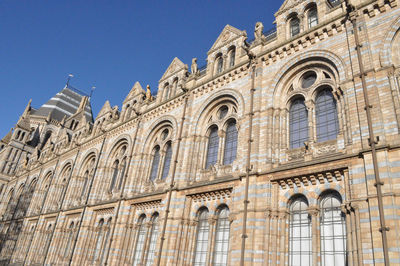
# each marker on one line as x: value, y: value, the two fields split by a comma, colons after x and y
x: 258, y: 32
x: 149, y: 97
x: 115, y: 113
x: 193, y: 67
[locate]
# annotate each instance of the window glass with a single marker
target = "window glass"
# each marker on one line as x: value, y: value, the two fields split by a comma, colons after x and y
x: 114, y: 174
x: 230, y: 143
x: 220, y: 63
x: 223, y: 111
x: 333, y: 232
x: 298, y: 124
x: 202, y: 239
x: 222, y: 238
x: 300, y: 251
x: 326, y: 114
x: 156, y: 162
x: 312, y: 17
x: 167, y: 161
x: 153, y: 240
x: 308, y: 79
x: 212, y: 152
x: 294, y: 26
x: 141, y: 236
x: 232, y: 58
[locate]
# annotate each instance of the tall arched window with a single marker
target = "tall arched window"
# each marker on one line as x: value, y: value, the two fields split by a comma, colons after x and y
x: 85, y: 182
x: 230, y: 143
x: 220, y: 64
x: 300, y: 251
x: 121, y: 178
x: 47, y: 238
x: 156, y: 162
x: 167, y: 161
x: 222, y: 230
x: 333, y: 230
x: 312, y: 17
x: 104, y: 244
x: 166, y: 91
x: 69, y: 240
x: 153, y: 240
x: 99, y: 240
x: 298, y: 118
x: 201, y: 246
x: 294, y: 26
x: 326, y: 114
x: 140, y: 240
x: 213, y: 143
x: 115, y: 171
x: 232, y: 54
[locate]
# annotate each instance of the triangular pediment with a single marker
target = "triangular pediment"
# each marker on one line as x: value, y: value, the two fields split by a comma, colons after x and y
x: 227, y: 34
x: 175, y: 66
x: 288, y: 4
x: 136, y: 89
x: 105, y: 109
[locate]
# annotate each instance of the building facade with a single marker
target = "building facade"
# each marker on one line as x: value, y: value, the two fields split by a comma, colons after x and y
x: 282, y: 150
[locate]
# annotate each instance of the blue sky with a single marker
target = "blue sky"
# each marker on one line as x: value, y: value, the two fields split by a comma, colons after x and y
x: 107, y: 44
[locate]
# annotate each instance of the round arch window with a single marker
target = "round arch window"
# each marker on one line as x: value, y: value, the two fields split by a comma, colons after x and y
x: 308, y: 79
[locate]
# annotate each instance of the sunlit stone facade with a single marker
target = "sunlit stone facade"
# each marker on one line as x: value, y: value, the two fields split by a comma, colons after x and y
x: 274, y: 131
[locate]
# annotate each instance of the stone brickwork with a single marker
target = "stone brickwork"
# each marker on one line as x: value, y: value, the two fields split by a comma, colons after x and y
x: 128, y: 187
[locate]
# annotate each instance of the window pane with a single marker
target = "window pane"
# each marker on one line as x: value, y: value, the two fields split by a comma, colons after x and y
x: 230, y: 143
x: 326, y: 114
x: 212, y: 152
x: 202, y: 239
x: 141, y: 236
x: 153, y: 240
x: 156, y: 162
x: 232, y: 58
x: 298, y: 124
x: 220, y: 63
x: 115, y: 174
x: 312, y: 18
x: 333, y: 232
x: 222, y: 238
x: 294, y: 26
x: 167, y: 161
x: 299, y: 233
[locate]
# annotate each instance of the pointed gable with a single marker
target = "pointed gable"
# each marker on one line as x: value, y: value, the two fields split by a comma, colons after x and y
x: 227, y: 34
x: 105, y: 109
x: 288, y: 4
x: 175, y: 66
x: 136, y: 89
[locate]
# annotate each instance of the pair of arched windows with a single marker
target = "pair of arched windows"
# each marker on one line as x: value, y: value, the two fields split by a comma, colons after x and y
x: 118, y: 169
x: 312, y: 20
x: 102, y: 240
x: 231, y: 60
x: 165, y: 158
x: 230, y: 145
x: 331, y: 227
x: 326, y: 119
x: 145, y: 246
x: 220, y: 238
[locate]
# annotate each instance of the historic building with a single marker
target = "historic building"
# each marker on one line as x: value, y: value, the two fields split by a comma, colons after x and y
x: 282, y: 150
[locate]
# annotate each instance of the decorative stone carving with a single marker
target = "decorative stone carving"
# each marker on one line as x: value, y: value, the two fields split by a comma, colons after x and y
x: 258, y: 33
x: 193, y: 67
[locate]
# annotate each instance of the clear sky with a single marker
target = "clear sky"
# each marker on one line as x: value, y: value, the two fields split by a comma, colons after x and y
x: 107, y: 44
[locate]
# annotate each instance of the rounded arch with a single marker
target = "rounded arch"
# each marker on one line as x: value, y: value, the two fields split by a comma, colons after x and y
x: 157, y: 128
x: 221, y: 207
x: 87, y: 160
x: 321, y: 58
x: 385, y: 55
x: 328, y: 192
x: 297, y: 196
x: 121, y: 144
x: 215, y: 100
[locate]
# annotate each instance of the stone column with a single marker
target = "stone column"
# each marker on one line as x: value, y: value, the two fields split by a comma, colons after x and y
x: 211, y: 245
x: 314, y: 213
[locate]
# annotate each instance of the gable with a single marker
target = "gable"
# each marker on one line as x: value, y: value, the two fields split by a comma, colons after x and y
x: 227, y: 34
x: 136, y: 89
x: 288, y: 4
x: 175, y: 66
x: 105, y: 109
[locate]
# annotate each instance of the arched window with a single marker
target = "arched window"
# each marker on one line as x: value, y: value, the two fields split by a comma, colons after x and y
x: 85, y: 182
x: 166, y: 91
x: 212, y: 151
x: 326, y: 114
x: 300, y: 251
x: 69, y: 240
x: 232, y: 54
x: 298, y: 118
x: 230, y: 143
x: 140, y: 240
x: 294, y: 26
x: 156, y: 162
x: 106, y: 231
x: 312, y: 17
x: 334, y: 3
x: 153, y: 239
x: 201, y: 246
x: 167, y: 161
x: 333, y: 230
x: 115, y: 171
x: 99, y: 239
x: 220, y: 64
x: 121, y: 178
x: 48, y: 234
x: 222, y: 229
